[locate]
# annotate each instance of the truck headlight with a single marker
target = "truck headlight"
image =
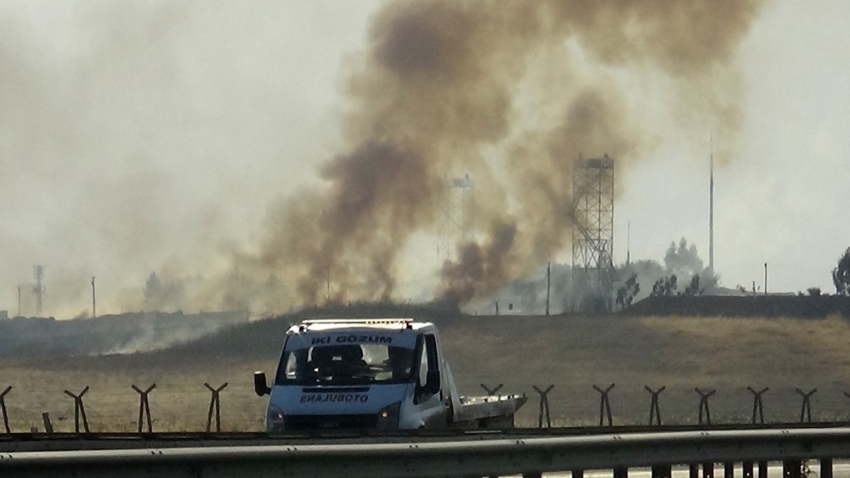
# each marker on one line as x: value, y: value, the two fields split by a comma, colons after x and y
x: 275, y: 419
x: 388, y: 417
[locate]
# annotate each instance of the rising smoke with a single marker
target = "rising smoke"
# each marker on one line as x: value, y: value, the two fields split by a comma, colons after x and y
x: 510, y: 92
x: 441, y: 89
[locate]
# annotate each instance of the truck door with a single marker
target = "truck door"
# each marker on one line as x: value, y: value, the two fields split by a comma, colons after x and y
x: 428, y: 396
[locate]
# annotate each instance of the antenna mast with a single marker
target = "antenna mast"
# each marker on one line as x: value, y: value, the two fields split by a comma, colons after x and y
x: 93, y: 299
x: 711, y: 209
x: 38, y: 288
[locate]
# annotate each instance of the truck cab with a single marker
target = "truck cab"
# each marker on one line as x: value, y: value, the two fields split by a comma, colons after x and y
x: 379, y: 374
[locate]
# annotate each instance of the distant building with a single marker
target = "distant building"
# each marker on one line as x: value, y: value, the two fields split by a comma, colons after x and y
x: 4, y: 315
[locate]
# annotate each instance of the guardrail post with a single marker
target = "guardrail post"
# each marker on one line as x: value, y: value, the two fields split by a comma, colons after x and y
x: 747, y: 469
x: 577, y: 473
x: 708, y: 470
x: 79, y: 410
x: 806, y: 410
x: 544, y: 406
x: 654, y: 409
x: 703, y: 405
x: 215, y: 402
x: 758, y: 405
x: 492, y: 391
x: 620, y: 471
x: 144, y: 407
x: 3, y: 409
x: 662, y: 471
x: 825, y: 467
x: 693, y: 470
x: 792, y: 468
x: 728, y: 470
x: 605, y: 406
x: 762, y: 469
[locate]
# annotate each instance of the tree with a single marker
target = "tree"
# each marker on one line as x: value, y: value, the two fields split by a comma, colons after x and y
x: 683, y: 260
x: 665, y: 286
x: 841, y: 274
x: 160, y: 295
x: 627, y: 293
x: 153, y: 288
x: 693, y: 287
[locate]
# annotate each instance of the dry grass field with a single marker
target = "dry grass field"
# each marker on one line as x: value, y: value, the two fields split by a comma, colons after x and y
x: 573, y: 353
x: 679, y: 353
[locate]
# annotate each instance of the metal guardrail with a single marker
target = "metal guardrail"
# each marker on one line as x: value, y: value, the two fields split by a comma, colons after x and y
x: 412, y: 457
x: 19, y: 442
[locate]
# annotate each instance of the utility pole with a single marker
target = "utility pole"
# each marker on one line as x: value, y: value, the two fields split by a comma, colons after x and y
x: 711, y: 210
x: 19, y: 300
x: 93, y: 299
x: 38, y: 288
x: 548, y: 284
x: 765, y: 278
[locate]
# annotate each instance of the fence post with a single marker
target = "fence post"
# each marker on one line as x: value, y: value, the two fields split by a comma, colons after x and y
x: 215, y: 401
x: 806, y: 410
x: 654, y: 409
x: 144, y: 407
x: 48, y: 427
x: 3, y: 409
x: 492, y: 391
x: 544, y: 406
x: 758, y: 405
x: 79, y: 410
x: 703, y: 405
x: 604, y: 404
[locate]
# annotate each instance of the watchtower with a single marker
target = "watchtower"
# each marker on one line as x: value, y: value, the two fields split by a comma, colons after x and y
x: 593, y: 223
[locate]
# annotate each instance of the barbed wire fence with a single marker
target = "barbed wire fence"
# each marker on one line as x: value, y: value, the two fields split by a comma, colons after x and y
x: 207, y: 407
x: 149, y: 410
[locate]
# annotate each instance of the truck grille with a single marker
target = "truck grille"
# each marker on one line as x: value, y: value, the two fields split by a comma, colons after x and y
x: 330, y: 422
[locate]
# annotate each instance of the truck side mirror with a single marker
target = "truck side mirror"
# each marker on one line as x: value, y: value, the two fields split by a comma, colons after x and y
x: 432, y: 385
x: 260, y: 386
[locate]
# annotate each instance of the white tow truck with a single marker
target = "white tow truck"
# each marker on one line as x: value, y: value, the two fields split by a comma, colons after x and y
x: 374, y: 374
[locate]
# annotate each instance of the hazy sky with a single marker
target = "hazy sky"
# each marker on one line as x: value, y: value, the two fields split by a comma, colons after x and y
x: 152, y: 136
x: 783, y: 197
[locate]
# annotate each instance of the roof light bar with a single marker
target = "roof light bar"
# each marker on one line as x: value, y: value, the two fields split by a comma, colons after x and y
x: 356, y: 321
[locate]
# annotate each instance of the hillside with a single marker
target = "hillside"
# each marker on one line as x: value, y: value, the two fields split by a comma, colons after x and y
x: 797, y: 306
x: 121, y: 333
x: 573, y: 353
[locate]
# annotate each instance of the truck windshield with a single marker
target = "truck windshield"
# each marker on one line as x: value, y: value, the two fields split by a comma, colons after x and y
x: 349, y: 364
